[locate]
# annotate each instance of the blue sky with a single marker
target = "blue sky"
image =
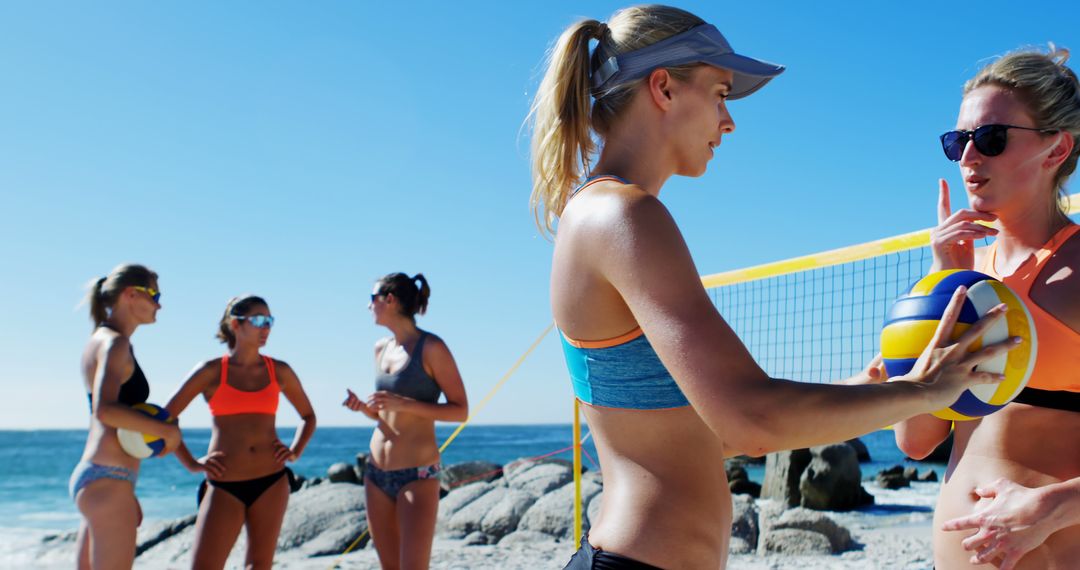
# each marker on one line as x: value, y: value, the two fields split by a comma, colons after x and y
x: 301, y: 150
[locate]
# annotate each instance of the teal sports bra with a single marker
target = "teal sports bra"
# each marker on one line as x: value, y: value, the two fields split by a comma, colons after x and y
x: 621, y: 372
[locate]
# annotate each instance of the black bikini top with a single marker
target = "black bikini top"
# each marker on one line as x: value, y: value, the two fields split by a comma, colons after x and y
x: 135, y: 390
x: 412, y: 381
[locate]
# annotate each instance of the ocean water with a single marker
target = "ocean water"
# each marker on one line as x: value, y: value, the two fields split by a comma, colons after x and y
x: 35, y: 465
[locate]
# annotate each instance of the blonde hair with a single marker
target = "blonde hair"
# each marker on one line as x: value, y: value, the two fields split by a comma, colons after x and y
x: 1051, y: 92
x: 563, y: 117
x: 103, y: 292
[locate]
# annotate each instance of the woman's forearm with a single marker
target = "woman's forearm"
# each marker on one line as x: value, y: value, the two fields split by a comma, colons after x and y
x: 448, y: 412
x: 303, y: 434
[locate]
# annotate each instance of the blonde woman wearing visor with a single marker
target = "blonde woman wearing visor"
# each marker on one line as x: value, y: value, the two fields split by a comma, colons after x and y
x: 654, y: 93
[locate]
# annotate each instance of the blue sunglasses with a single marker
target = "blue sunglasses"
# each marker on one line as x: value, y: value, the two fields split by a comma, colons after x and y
x: 258, y: 321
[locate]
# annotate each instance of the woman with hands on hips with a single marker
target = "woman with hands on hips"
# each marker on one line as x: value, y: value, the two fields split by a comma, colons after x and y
x: 247, y: 483
x: 1012, y: 488
x: 412, y: 368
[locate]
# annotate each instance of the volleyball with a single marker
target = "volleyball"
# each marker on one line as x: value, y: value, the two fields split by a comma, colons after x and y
x: 143, y: 445
x: 913, y: 318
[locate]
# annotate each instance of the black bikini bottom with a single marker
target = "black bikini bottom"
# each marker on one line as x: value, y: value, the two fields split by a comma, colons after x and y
x: 1055, y: 399
x: 248, y: 491
x: 589, y: 557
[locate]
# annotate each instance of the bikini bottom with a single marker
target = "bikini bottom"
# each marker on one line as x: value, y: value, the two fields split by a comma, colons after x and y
x: 247, y: 491
x: 86, y: 472
x: 588, y: 557
x: 391, y: 482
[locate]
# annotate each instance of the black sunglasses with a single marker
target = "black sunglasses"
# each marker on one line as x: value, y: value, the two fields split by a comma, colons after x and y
x: 377, y: 295
x: 989, y: 140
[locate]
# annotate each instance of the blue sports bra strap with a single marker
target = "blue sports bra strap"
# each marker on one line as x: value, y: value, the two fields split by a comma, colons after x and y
x: 596, y: 178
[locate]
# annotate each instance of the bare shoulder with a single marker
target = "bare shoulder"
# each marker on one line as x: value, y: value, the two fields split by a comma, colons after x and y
x: 282, y: 366
x: 114, y: 347
x: 436, y: 343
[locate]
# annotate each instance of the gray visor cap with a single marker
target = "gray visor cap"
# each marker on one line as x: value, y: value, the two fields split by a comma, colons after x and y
x: 700, y: 44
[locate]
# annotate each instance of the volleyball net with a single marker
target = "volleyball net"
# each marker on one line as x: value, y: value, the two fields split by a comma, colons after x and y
x: 818, y: 318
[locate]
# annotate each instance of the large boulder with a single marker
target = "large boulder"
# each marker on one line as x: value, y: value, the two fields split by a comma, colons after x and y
x: 553, y: 514
x: 151, y: 535
x: 805, y: 519
x: 538, y: 477
x: 461, y: 497
x: 504, y: 517
x: 782, y: 472
x: 325, y: 519
x: 744, y: 524
x: 791, y: 541
x: 460, y: 474
x: 342, y: 473
x: 524, y: 537
x: 833, y: 480
x: 860, y: 450
x: 467, y: 519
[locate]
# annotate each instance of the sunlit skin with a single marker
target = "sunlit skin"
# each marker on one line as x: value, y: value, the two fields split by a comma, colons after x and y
x: 403, y: 529
x: 1026, y: 456
x: 620, y: 262
x: 111, y: 513
x: 243, y: 447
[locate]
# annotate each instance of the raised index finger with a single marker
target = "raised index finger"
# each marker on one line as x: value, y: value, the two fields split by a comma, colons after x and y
x: 944, y: 208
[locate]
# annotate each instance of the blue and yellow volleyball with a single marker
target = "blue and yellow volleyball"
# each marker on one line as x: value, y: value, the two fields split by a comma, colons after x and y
x: 144, y: 445
x: 913, y: 318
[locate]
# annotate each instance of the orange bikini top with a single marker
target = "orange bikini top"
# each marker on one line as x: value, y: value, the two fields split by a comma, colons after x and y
x: 1057, y: 362
x: 228, y: 401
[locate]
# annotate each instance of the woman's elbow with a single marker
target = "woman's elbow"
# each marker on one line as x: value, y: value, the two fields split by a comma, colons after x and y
x: 916, y: 447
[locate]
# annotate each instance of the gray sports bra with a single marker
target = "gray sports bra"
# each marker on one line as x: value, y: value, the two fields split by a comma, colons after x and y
x: 412, y: 381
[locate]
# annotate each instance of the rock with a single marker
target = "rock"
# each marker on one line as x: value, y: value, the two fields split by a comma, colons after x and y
x: 782, y: 472
x: 342, y: 473
x: 504, y: 517
x: 894, y: 470
x: 538, y: 478
x: 553, y: 514
x: 750, y: 459
x: 312, y: 482
x: 911, y: 473
x: 860, y: 450
x: 469, y: 517
x: 744, y: 522
x: 792, y: 541
x: 461, y: 497
x: 524, y: 537
x: 361, y: 466
x: 805, y: 519
x: 479, y: 539
x: 891, y: 481
x: 745, y: 487
x: 740, y: 546
x: 460, y: 474
x: 768, y: 513
x: 833, y: 480
x: 325, y: 519
x: 928, y: 475
x: 152, y: 535
x: 735, y: 472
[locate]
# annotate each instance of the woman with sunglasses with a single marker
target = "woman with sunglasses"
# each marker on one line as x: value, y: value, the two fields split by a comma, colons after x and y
x: 659, y: 371
x: 247, y: 482
x: 1012, y: 488
x: 412, y: 368
x: 103, y: 483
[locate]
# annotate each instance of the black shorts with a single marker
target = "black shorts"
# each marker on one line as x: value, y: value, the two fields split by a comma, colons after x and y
x: 590, y: 558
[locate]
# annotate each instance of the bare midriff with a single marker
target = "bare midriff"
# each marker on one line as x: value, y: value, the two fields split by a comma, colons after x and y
x: 664, y: 485
x: 247, y: 440
x: 1028, y: 445
x: 402, y: 440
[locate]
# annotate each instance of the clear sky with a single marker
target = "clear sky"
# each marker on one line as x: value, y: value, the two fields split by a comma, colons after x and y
x: 300, y: 150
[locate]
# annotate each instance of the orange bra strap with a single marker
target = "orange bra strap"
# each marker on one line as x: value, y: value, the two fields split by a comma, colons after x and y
x: 224, y: 370
x: 270, y: 368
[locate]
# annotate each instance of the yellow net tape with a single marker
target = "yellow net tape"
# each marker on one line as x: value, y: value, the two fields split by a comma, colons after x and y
x: 829, y: 258
x: 472, y: 414
x: 577, y: 474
